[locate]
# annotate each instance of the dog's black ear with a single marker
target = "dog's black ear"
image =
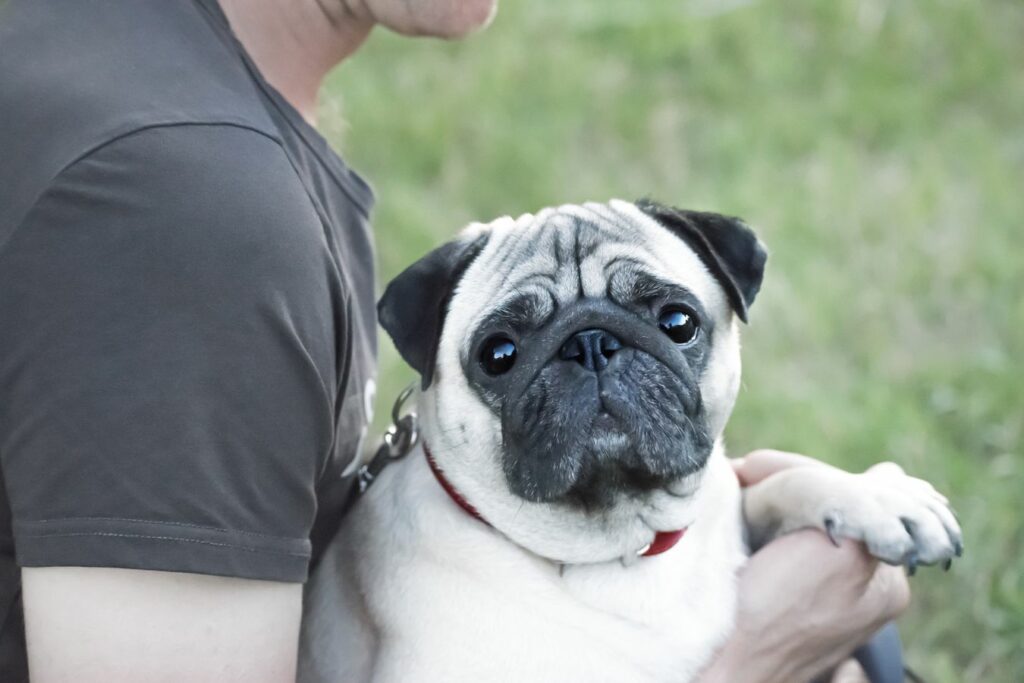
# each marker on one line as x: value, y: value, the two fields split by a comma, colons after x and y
x: 414, y: 305
x: 729, y: 249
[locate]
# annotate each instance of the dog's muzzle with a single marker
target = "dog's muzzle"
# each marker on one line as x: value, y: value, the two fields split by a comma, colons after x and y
x: 600, y: 403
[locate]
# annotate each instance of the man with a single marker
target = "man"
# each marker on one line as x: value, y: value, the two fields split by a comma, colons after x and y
x: 187, y: 341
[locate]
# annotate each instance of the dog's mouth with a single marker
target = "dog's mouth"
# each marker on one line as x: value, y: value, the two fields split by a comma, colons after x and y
x: 601, y: 488
x: 589, y: 439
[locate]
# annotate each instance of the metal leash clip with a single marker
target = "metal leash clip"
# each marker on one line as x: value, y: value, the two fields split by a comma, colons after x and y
x: 400, y: 438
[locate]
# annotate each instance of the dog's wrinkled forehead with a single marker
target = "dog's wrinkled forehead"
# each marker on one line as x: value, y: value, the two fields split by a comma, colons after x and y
x: 535, y: 263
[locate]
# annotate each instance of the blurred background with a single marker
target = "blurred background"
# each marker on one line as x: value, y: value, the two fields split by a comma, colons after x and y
x: 878, y: 148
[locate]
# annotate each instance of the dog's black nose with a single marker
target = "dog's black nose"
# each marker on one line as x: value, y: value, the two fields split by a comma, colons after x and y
x: 590, y: 348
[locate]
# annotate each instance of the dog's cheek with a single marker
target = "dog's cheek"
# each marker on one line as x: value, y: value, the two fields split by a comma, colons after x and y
x: 720, y: 381
x: 669, y: 426
x: 543, y: 454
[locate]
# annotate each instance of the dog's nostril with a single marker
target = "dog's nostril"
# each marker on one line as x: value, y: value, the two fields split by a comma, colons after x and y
x: 590, y: 348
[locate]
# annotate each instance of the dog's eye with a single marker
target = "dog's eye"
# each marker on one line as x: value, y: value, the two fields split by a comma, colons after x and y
x: 498, y: 355
x: 680, y: 325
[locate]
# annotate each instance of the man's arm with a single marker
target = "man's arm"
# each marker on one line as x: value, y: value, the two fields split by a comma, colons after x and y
x: 804, y: 605
x: 97, y: 624
x: 167, y: 391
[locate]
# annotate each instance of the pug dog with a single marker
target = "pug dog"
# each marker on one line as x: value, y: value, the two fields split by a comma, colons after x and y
x: 570, y: 514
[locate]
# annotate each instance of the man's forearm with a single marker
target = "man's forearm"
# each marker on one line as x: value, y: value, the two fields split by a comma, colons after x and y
x: 98, y: 624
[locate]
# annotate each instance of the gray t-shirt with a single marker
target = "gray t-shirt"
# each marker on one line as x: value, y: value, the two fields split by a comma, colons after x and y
x: 187, y: 331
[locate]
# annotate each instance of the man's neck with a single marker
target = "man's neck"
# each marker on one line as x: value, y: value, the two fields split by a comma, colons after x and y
x: 295, y: 43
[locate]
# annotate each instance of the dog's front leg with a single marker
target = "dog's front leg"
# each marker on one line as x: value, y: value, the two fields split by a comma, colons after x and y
x: 900, y: 519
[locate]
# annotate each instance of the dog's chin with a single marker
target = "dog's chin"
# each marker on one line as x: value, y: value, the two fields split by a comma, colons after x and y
x: 603, y: 462
x: 603, y: 480
x: 623, y: 528
x: 611, y: 514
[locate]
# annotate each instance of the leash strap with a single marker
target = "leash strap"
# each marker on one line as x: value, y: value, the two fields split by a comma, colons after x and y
x: 400, y: 438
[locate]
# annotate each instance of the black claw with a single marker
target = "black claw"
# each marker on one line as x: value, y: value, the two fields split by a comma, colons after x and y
x: 912, y: 565
x: 830, y: 531
x: 958, y: 548
x: 909, y: 526
x: 947, y: 565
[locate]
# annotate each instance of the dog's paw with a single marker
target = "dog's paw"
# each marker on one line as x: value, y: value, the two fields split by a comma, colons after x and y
x: 900, y: 519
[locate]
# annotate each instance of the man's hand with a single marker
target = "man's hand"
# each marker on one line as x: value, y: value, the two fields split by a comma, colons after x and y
x: 804, y: 605
x: 93, y: 624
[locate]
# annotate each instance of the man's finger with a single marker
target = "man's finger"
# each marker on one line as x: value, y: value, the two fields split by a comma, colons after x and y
x: 849, y: 672
x: 759, y: 464
x: 889, y: 591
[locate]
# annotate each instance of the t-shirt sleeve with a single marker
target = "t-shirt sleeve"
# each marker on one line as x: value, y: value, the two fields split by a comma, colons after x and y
x: 168, y: 335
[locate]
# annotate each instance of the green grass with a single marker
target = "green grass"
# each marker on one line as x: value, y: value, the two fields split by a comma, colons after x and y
x: 878, y: 147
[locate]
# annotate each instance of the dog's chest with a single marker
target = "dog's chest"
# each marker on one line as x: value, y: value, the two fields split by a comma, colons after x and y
x: 449, y: 599
x: 679, y: 606
x: 541, y: 632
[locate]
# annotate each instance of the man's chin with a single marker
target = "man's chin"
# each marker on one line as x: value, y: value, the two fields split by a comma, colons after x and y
x: 448, y: 19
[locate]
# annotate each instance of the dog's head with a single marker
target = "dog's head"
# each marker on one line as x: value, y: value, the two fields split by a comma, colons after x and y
x: 578, y: 366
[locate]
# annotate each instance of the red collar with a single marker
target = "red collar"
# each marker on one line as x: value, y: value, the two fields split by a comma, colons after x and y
x: 450, y: 490
x: 663, y: 540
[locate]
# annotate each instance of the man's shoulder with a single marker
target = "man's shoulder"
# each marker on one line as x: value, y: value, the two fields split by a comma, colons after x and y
x: 75, y: 76
x: 212, y: 187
